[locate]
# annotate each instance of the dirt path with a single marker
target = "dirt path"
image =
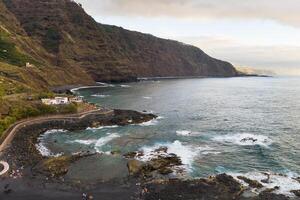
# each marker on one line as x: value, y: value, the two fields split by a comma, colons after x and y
x: 10, y: 133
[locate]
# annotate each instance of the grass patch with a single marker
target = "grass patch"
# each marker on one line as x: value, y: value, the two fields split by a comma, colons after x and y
x: 12, y: 111
x: 10, y: 54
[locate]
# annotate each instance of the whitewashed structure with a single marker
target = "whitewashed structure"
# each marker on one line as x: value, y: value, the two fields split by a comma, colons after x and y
x: 56, y: 101
x: 62, y: 100
x: 76, y: 100
x: 28, y: 65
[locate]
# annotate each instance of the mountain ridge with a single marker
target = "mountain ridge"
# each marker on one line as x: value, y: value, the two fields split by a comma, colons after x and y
x: 88, y: 43
x: 68, y: 47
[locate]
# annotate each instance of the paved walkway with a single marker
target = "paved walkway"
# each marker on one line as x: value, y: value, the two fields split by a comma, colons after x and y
x: 12, y: 131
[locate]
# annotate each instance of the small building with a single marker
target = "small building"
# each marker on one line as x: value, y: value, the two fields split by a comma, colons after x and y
x: 56, y: 101
x: 28, y: 65
x: 76, y: 99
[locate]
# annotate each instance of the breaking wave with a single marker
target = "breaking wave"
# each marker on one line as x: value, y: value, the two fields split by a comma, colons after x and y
x: 42, y: 147
x: 245, y: 139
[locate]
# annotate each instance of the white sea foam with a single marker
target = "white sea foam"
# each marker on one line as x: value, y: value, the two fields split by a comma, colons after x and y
x: 245, y: 139
x: 105, y: 84
x: 104, y: 140
x: 184, y: 133
x: 86, y: 87
x: 187, y: 153
x: 100, y: 95
x: 85, y: 142
x: 98, y: 143
x: 148, y: 112
x: 41, y: 146
x: 152, y: 122
x: 125, y: 86
x: 286, y: 183
x: 147, y: 97
x: 102, y: 127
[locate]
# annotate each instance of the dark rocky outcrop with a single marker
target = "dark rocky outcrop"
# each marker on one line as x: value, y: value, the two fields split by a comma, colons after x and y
x: 222, y: 187
x: 70, y: 37
x: 58, y: 166
x: 271, y: 196
x: 296, y: 192
x: 24, y: 153
x: 252, y: 183
x: 161, y: 163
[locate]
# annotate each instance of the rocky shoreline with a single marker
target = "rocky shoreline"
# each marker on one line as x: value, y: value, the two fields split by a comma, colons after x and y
x: 36, y: 177
x: 23, y: 152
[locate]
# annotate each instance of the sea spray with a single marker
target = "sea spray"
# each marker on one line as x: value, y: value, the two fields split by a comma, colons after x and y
x: 41, y: 145
x: 244, y: 139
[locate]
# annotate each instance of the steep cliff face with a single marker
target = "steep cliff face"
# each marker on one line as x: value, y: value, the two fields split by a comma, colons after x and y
x: 17, y: 48
x: 108, y: 53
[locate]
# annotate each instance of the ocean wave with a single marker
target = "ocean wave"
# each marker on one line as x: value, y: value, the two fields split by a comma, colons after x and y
x: 86, y: 87
x: 41, y: 146
x: 101, y: 127
x: 245, y: 139
x: 125, y: 86
x: 100, y: 95
x: 152, y: 122
x: 98, y: 143
x: 187, y: 153
x: 85, y: 142
x: 147, y: 97
x: 105, y: 84
x: 184, y: 133
x: 285, y: 182
x: 104, y: 140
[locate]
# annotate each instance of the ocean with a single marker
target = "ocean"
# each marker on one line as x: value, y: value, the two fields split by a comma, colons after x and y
x: 240, y: 126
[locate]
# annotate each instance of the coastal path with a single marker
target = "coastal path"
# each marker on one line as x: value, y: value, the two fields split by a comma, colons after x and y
x: 10, y: 133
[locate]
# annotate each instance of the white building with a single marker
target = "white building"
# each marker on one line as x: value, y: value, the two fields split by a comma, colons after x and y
x: 28, y: 65
x: 76, y: 100
x: 56, y: 101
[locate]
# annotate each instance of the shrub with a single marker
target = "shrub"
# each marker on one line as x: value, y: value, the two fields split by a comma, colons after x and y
x: 65, y: 109
x: 10, y: 54
x: 45, y: 95
x: 52, y: 40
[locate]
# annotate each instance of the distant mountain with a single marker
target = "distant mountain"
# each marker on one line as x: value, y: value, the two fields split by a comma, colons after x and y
x: 67, y: 46
x: 259, y: 72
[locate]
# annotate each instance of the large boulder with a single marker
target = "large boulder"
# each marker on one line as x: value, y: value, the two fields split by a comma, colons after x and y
x: 252, y: 183
x: 135, y: 167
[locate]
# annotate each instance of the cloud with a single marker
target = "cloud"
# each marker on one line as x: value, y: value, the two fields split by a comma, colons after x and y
x: 282, y: 11
x: 280, y: 59
x: 283, y: 60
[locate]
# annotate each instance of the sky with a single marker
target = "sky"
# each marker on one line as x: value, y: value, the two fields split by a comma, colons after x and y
x: 261, y: 34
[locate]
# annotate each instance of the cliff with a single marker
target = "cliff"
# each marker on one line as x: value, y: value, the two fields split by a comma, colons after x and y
x: 69, y: 38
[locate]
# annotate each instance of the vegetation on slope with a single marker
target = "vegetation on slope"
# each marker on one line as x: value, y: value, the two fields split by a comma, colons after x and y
x: 21, y: 106
x: 109, y: 53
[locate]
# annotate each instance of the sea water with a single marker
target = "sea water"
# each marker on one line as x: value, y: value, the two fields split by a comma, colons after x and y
x: 235, y: 125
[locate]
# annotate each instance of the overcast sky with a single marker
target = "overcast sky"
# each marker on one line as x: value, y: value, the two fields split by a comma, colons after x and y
x: 263, y: 34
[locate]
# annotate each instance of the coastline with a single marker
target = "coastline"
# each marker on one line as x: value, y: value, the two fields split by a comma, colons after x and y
x: 27, y: 159
x: 73, y: 88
